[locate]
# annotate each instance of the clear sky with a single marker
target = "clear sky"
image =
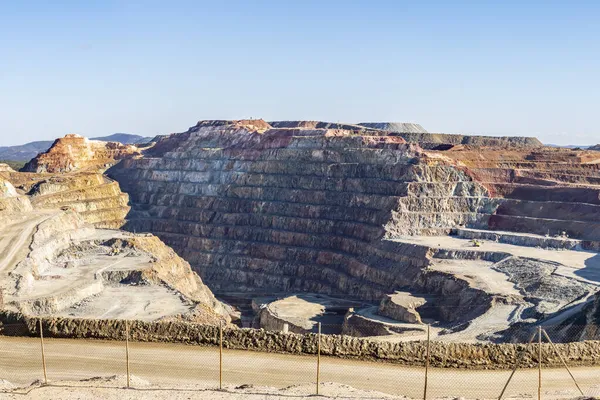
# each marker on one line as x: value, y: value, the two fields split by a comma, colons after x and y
x: 156, y: 67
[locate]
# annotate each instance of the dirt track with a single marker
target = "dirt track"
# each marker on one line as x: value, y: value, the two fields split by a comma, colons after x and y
x: 174, y: 365
x: 15, y: 236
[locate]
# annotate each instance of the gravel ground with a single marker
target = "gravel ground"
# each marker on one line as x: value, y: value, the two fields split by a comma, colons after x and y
x: 113, y: 388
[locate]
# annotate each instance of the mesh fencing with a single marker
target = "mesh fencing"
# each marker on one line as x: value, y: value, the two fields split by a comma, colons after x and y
x: 175, y: 366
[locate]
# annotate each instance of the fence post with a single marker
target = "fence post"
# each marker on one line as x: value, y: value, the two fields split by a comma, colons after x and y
x: 318, y: 358
x: 517, y: 362
x: 220, y: 355
x: 43, y: 353
x: 427, y: 362
x: 539, y: 363
x: 127, y: 350
x: 562, y: 360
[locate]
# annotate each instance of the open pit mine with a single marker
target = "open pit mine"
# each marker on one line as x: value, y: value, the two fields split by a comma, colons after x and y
x: 373, y: 229
x: 58, y: 257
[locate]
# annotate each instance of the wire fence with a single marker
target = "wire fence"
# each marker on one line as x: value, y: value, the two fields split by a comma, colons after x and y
x: 540, y: 369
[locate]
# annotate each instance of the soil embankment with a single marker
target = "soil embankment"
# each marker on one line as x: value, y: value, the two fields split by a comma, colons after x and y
x: 455, y: 355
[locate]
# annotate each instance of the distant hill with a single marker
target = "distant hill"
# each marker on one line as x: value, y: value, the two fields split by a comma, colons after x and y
x: 26, y: 152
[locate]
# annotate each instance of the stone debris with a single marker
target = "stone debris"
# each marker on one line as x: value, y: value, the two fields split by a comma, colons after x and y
x: 402, y: 306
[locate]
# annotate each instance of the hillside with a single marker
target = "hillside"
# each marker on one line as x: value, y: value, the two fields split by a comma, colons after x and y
x: 26, y: 152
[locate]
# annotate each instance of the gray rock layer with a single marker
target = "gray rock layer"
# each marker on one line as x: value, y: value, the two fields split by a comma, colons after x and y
x: 295, y: 209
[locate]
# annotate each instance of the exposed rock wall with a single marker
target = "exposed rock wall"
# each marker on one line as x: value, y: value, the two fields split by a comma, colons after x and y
x: 69, y: 175
x: 432, y: 140
x: 455, y: 355
x: 96, y: 198
x: 401, y: 306
x: 582, y: 325
x: 317, y: 125
x: 271, y: 322
x: 10, y: 200
x: 294, y: 209
x: 544, y: 191
x: 56, y: 263
x: 76, y: 153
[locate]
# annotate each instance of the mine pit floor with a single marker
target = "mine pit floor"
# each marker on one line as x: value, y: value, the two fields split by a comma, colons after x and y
x: 146, y: 303
x: 580, y: 265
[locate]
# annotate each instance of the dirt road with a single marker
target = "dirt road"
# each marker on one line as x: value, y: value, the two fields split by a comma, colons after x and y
x: 15, y: 237
x: 174, y: 365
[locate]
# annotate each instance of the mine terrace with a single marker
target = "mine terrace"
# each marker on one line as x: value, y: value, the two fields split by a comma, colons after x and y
x: 373, y: 229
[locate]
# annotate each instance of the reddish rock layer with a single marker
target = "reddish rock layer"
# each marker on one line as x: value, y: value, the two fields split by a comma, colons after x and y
x: 76, y: 153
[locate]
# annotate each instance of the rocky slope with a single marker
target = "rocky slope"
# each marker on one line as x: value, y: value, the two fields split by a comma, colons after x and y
x: 594, y: 147
x: 10, y: 199
x: 53, y: 263
x: 351, y: 211
x: 69, y: 175
x: 444, y: 140
x: 290, y: 208
x: 95, y: 197
x: 546, y: 191
x: 307, y: 206
x: 77, y: 153
x: 30, y: 150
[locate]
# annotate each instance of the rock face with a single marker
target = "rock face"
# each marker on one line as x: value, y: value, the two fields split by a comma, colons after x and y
x: 402, y: 306
x: 359, y: 212
x: 69, y: 175
x: 30, y: 150
x: 293, y: 209
x: 396, y: 127
x: 53, y: 261
x: 366, y: 322
x: 316, y: 125
x: 444, y: 141
x: 10, y: 200
x: 57, y: 264
x: 581, y: 325
x: 306, y: 206
x: 96, y: 198
x: 77, y: 153
x: 302, y: 313
x: 545, y: 191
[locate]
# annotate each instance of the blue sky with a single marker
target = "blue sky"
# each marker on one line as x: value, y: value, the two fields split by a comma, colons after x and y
x: 156, y: 67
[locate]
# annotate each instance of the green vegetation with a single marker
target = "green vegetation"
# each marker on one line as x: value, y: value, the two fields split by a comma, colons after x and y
x: 16, y: 165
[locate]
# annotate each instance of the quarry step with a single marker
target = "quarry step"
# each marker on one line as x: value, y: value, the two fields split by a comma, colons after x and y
x: 547, y: 193
x: 521, y: 239
x: 571, y: 211
x: 545, y: 226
